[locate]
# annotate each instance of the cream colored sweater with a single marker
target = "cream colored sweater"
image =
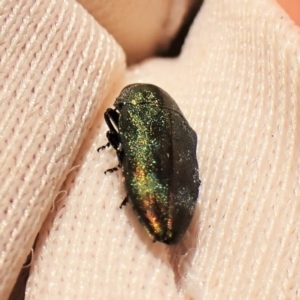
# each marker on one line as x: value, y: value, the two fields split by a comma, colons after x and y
x: 237, y: 81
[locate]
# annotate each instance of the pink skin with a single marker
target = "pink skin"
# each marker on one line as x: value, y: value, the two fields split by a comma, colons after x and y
x: 292, y: 7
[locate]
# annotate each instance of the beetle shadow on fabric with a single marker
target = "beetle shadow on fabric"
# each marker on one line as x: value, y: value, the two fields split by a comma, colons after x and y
x: 178, y: 256
x: 181, y: 255
x: 156, y: 248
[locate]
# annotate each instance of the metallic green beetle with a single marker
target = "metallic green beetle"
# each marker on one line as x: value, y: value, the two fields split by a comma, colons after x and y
x: 156, y: 148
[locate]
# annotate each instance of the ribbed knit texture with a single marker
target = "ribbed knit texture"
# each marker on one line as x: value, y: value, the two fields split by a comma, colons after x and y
x: 56, y: 64
x: 238, y: 83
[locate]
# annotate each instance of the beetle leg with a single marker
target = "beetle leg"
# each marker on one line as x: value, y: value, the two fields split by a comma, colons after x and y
x: 124, y: 202
x: 112, y: 115
x: 112, y: 134
x: 113, y: 138
x: 103, y: 147
x: 111, y: 170
x: 114, y: 141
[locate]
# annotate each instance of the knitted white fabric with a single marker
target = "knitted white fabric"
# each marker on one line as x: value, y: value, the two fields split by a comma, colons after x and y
x: 55, y: 61
x: 238, y: 83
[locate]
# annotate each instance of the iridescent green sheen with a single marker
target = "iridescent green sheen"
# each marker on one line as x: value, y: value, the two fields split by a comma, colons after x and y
x: 157, y: 152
